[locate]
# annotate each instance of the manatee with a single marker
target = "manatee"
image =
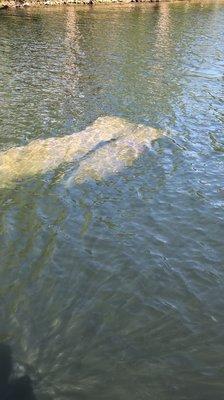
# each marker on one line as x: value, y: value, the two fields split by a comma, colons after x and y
x: 43, y: 155
x: 116, y: 155
x: 102, y: 149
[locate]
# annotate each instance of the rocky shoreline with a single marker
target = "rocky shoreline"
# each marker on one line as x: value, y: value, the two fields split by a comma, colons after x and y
x: 4, y: 4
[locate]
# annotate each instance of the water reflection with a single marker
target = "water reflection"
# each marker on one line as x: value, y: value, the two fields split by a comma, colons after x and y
x: 72, y: 53
x: 163, y: 27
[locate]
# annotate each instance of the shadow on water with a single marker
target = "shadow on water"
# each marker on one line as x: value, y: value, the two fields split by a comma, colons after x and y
x: 12, y: 388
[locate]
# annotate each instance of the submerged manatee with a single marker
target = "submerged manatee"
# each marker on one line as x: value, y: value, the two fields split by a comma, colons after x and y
x: 117, y: 154
x: 102, y: 149
x: 43, y: 155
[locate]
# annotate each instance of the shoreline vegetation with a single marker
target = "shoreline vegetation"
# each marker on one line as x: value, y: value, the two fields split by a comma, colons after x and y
x: 5, y: 4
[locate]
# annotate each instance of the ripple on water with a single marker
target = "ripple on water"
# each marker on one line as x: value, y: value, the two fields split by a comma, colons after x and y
x: 114, y: 289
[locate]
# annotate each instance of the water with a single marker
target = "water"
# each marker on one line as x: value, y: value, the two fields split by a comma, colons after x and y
x: 114, y: 289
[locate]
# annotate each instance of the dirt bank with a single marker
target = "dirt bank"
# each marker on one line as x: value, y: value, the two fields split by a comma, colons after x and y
x: 4, y: 4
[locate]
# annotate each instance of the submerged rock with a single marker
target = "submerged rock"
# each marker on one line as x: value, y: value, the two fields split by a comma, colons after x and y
x: 103, y: 148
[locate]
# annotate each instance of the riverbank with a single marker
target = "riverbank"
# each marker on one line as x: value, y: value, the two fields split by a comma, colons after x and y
x: 4, y: 4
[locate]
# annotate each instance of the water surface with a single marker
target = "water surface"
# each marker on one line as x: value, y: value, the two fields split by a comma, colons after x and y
x: 114, y: 289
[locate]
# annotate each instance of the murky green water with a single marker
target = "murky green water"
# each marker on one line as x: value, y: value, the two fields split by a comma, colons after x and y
x: 115, y: 290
